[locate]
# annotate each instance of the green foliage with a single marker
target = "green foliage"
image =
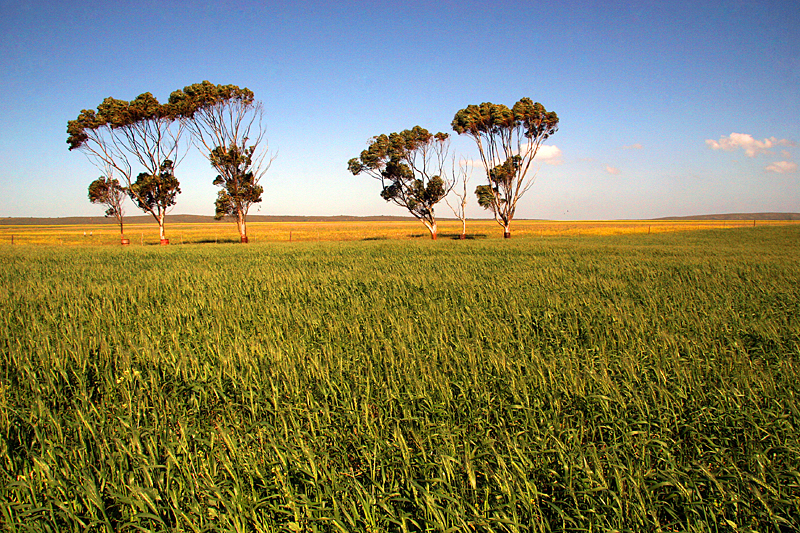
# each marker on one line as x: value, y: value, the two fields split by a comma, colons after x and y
x: 239, y: 187
x: 122, y: 135
x: 156, y: 192
x: 503, y: 175
x: 491, y: 120
x: 114, y: 114
x: 199, y: 96
x: 486, y: 197
x: 410, y: 167
x: 508, y: 140
x: 535, y: 119
x: 487, y: 119
x: 645, y: 383
x: 119, y: 113
x: 76, y: 129
x: 225, y: 120
x: 108, y: 192
x: 501, y: 179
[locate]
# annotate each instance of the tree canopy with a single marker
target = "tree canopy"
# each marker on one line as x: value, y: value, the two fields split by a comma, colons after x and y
x: 226, y: 124
x: 120, y: 135
x: 156, y: 191
x: 137, y: 128
x: 201, y: 97
x: 508, y: 141
x: 108, y: 192
x: 411, y: 168
x: 240, y: 188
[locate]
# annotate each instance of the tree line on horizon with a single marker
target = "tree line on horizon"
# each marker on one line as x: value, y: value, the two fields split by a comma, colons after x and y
x: 226, y: 123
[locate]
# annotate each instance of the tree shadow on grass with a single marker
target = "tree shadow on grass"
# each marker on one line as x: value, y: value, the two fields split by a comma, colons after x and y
x: 453, y: 236
x: 467, y: 237
x: 375, y: 239
x: 224, y: 240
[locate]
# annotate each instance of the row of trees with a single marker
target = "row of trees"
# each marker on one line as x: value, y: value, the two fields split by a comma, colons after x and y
x: 412, y: 165
x: 224, y: 121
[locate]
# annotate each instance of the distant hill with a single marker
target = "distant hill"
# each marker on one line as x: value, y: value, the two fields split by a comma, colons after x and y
x: 738, y: 216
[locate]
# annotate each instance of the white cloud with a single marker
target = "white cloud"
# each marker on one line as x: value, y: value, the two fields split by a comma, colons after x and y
x: 612, y: 170
x: 547, y: 154
x: 783, y: 167
x: 550, y: 155
x: 746, y: 142
x: 635, y: 146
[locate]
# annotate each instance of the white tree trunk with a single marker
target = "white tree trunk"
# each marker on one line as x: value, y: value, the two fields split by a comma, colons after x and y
x: 242, y: 223
x: 161, y: 232
x: 433, y: 229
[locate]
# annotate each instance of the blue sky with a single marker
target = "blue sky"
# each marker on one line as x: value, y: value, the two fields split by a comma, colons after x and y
x: 666, y: 108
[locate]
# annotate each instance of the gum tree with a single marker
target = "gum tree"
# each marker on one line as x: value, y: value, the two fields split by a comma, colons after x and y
x: 122, y: 135
x: 508, y: 141
x: 108, y: 192
x: 411, y: 168
x: 155, y: 193
x: 227, y: 125
x: 240, y: 188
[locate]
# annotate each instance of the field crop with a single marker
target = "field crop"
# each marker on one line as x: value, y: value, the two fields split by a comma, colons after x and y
x: 605, y: 383
x: 260, y: 232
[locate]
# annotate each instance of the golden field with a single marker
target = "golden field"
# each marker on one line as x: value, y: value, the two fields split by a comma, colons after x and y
x: 205, y: 233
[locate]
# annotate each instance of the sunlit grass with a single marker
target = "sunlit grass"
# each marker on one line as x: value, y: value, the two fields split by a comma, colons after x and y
x: 608, y: 383
x: 208, y: 233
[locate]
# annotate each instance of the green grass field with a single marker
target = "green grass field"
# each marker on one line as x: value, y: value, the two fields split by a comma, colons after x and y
x: 546, y: 383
